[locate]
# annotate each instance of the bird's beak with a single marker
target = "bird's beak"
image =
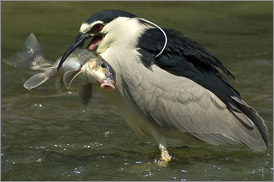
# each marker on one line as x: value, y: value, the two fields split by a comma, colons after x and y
x: 78, y: 42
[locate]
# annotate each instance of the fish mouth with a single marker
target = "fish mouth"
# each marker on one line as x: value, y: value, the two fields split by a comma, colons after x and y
x: 108, y: 85
x: 95, y: 42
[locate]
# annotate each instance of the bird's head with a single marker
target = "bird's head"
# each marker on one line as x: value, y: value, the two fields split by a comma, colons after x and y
x: 96, y: 28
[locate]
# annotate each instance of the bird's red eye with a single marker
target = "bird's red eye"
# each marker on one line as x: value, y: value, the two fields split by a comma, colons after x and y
x: 98, y: 27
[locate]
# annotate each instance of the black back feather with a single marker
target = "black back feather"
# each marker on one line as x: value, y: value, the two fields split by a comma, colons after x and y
x: 185, y: 57
x: 108, y: 15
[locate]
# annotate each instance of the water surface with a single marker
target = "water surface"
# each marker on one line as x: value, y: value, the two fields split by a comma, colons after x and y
x: 47, y: 136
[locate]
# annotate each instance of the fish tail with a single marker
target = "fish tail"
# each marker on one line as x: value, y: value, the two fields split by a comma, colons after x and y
x: 36, y: 80
x: 30, y: 56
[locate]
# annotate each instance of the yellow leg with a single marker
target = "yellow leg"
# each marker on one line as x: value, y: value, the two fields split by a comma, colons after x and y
x: 164, y: 154
x: 165, y: 157
x: 160, y: 138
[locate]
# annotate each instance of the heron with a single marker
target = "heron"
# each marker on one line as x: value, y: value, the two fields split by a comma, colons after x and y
x: 168, y: 85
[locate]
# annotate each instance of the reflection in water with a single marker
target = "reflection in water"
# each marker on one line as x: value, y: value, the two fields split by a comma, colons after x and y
x: 47, y: 136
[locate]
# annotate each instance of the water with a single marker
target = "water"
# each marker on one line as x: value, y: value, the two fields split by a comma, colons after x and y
x: 47, y: 136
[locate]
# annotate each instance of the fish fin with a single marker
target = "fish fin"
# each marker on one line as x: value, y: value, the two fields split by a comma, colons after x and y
x: 44, y: 65
x: 30, y: 56
x: 59, y: 84
x: 69, y: 76
x: 35, y: 81
x: 85, y: 93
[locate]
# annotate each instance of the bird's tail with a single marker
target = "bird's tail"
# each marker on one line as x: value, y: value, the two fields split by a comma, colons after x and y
x: 31, y: 56
x: 253, y: 116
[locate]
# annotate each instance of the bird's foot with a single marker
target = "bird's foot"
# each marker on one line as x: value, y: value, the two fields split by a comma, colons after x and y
x: 161, y: 162
x: 165, y: 158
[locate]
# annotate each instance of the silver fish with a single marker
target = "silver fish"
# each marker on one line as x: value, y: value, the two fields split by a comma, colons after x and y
x: 84, y: 61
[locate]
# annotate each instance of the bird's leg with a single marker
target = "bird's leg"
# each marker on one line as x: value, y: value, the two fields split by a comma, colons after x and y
x: 160, y: 138
x: 164, y: 154
x: 165, y: 158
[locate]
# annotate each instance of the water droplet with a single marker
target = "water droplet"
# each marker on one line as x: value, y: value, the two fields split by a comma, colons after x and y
x: 253, y: 172
x: 38, y: 105
x: 107, y: 133
x: 78, y: 171
x: 157, y: 161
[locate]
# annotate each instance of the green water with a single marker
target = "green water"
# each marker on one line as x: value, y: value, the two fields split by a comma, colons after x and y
x: 46, y: 136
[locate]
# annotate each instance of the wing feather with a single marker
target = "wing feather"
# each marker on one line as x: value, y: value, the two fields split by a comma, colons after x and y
x: 179, y: 104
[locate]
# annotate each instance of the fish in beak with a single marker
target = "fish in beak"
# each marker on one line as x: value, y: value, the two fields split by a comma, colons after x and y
x: 77, y: 42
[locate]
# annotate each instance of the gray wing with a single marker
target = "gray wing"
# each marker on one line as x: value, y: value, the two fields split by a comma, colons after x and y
x: 177, y: 103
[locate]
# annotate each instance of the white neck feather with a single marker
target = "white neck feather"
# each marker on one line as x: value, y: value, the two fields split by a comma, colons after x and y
x: 122, y: 33
x: 118, y: 47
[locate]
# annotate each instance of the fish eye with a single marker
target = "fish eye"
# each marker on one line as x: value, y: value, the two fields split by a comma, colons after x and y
x: 103, y: 65
x: 98, y: 27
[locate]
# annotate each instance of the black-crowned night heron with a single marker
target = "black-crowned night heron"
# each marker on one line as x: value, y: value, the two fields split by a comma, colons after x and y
x: 168, y: 85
